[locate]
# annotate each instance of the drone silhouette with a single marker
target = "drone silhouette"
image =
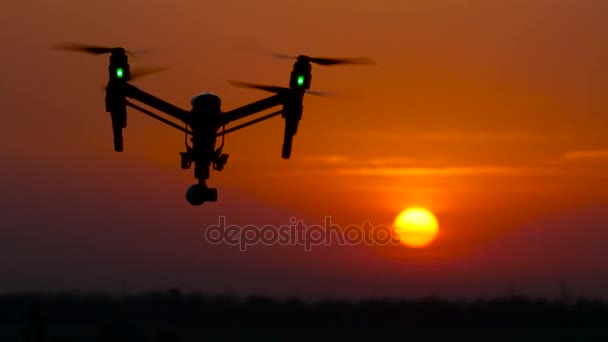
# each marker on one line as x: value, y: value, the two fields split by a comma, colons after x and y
x: 206, y: 122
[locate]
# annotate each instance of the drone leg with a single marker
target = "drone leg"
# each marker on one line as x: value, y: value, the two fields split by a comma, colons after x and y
x: 291, y: 127
x: 292, y: 112
x: 117, y: 107
x: 117, y: 132
x: 287, y: 144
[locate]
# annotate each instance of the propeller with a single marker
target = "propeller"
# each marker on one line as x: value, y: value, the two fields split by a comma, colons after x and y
x: 330, y: 61
x: 257, y: 47
x: 272, y: 89
x: 140, y: 72
x: 101, y: 50
x: 94, y: 49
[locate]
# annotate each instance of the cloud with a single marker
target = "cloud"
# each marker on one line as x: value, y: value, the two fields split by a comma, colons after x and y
x: 395, y: 166
x: 444, y: 135
x: 428, y: 171
x: 452, y: 135
x: 326, y: 159
x: 372, y: 135
x: 585, y: 155
x: 334, y: 160
x: 389, y: 161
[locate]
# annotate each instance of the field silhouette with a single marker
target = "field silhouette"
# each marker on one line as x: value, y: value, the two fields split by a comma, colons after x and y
x: 174, y: 316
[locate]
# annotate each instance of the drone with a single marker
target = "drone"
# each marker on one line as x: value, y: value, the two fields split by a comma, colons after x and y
x: 205, y: 122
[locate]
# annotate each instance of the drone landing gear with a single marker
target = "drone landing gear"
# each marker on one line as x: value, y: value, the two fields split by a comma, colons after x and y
x: 197, y: 194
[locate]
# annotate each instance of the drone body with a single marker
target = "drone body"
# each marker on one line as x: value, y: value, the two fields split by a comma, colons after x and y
x: 206, y: 122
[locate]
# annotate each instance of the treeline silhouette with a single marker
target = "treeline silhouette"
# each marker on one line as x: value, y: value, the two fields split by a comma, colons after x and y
x: 174, y: 316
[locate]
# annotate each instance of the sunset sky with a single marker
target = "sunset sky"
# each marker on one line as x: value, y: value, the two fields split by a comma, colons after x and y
x: 491, y: 114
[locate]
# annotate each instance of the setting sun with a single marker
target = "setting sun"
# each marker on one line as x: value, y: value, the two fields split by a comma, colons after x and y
x: 416, y: 227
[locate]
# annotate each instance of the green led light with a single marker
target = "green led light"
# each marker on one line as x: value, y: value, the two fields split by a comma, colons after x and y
x: 119, y: 73
x: 300, y: 80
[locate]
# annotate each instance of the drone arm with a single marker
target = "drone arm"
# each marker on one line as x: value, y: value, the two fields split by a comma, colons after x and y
x: 249, y: 123
x: 252, y: 108
x: 137, y: 94
x: 158, y: 117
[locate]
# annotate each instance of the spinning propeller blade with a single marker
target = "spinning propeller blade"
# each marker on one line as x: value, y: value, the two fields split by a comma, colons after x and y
x: 269, y: 88
x: 140, y: 72
x: 95, y: 49
x: 258, y: 47
x: 85, y: 48
x: 330, y: 61
x: 272, y: 89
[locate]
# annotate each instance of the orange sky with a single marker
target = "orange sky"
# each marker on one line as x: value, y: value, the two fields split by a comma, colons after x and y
x: 491, y: 114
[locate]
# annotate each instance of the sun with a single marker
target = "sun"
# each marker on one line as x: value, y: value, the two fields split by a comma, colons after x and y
x: 416, y: 227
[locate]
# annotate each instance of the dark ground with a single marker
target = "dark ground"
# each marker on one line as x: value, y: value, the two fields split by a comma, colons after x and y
x: 173, y: 316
